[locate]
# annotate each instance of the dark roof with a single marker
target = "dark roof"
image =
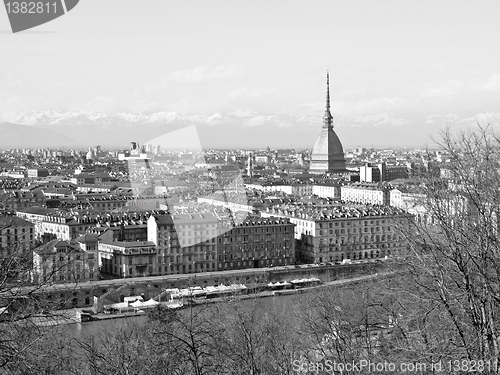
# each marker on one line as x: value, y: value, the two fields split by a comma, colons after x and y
x: 13, y: 221
x: 38, y: 210
x: 163, y: 219
x: 88, y: 237
x: 130, y: 243
x: 52, y: 246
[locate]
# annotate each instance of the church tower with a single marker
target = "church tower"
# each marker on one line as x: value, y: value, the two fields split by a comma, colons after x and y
x: 328, y: 154
x: 250, y: 165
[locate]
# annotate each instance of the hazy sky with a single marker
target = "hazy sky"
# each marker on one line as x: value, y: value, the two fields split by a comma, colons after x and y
x: 406, y: 58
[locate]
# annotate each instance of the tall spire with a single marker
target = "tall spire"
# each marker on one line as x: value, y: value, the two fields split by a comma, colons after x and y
x: 327, y: 118
x: 327, y: 90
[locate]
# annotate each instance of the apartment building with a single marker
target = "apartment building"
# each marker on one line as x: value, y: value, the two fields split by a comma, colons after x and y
x: 288, y: 187
x: 346, y: 231
x: 69, y: 225
x: 326, y: 190
x: 128, y: 259
x: 17, y: 236
x: 186, y: 243
x: 256, y: 242
x: 208, y: 241
x: 371, y: 193
x: 59, y: 261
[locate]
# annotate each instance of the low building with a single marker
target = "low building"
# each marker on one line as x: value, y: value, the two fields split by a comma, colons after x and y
x: 59, y: 261
x: 291, y: 188
x: 326, y: 190
x: 128, y: 259
x: 369, y: 173
x: 84, y: 178
x: 17, y: 200
x: 238, y: 202
x: 370, y: 193
x: 262, y: 159
x: 38, y: 172
x: 88, y: 242
x: 394, y: 172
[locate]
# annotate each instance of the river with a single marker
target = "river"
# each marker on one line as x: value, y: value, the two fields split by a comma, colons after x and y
x: 81, y: 330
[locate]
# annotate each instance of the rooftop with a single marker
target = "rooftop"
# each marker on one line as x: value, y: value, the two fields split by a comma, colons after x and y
x: 13, y: 221
x: 130, y: 244
x: 335, y: 211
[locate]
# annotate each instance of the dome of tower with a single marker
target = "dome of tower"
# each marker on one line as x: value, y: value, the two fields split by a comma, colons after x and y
x: 328, y: 144
x: 328, y: 153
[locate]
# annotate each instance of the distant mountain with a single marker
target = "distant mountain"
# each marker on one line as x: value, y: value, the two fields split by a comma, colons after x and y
x: 488, y: 118
x: 242, y: 129
x: 22, y: 136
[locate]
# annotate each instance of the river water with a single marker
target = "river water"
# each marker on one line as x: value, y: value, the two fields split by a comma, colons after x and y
x: 81, y: 330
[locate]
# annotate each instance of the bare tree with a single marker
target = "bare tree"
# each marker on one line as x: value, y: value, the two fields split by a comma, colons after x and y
x: 453, y: 271
x: 242, y: 342
x: 189, y: 337
x: 26, y: 315
x: 130, y: 349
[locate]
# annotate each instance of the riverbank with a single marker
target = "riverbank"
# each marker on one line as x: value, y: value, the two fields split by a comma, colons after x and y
x: 71, y: 315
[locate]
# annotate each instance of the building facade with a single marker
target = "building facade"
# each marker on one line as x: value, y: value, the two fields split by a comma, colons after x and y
x: 68, y: 225
x: 37, y: 172
x: 327, y: 190
x: 371, y: 193
x: 256, y: 242
x: 186, y: 243
x: 346, y: 232
x: 189, y: 243
x: 61, y: 262
x: 128, y: 259
x: 17, y: 237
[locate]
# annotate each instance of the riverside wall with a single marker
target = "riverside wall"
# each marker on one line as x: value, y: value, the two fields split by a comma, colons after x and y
x: 105, y: 292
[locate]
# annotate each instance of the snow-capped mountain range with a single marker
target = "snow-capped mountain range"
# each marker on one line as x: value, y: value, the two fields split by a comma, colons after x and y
x: 235, y: 129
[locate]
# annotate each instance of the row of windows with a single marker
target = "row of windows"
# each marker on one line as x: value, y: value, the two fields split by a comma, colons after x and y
x: 69, y: 257
x: 12, y: 239
x: 15, y: 231
x: 359, y: 247
x: 375, y: 238
x: 186, y: 268
x: 354, y: 230
x: 269, y: 237
x: 354, y: 223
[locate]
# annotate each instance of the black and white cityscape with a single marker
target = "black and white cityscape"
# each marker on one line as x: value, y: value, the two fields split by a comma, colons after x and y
x: 249, y: 188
